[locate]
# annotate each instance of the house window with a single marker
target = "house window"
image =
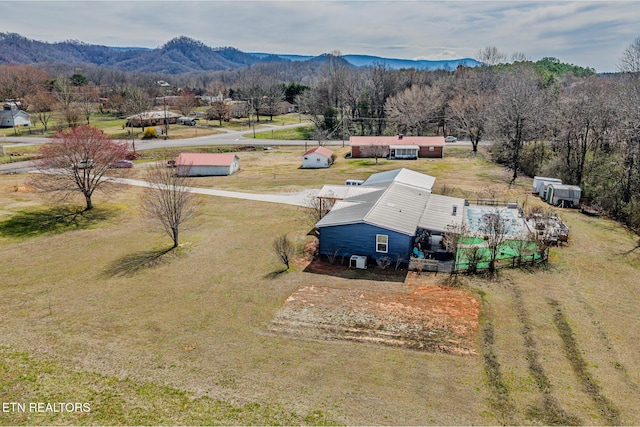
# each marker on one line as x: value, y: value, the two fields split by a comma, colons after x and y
x: 382, y: 243
x: 432, y: 148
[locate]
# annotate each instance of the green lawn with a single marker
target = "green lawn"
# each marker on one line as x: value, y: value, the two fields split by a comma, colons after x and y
x: 17, y: 153
x: 299, y: 133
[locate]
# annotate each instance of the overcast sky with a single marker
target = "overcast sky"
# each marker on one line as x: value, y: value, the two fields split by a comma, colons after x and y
x: 586, y: 33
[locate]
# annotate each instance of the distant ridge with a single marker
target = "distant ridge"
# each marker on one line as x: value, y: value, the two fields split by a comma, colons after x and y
x: 393, y: 63
x: 418, y: 64
x: 179, y: 55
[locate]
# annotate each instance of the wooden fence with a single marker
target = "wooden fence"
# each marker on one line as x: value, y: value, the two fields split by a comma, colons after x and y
x: 421, y: 264
x: 432, y: 265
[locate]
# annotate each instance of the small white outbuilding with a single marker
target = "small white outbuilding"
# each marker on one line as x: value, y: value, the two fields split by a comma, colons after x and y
x: 563, y: 195
x: 319, y: 157
x: 207, y: 164
x: 11, y: 115
x: 540, y: 184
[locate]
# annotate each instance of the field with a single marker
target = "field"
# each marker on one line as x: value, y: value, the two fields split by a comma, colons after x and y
x: 91, y: 312
x: 115, y: 127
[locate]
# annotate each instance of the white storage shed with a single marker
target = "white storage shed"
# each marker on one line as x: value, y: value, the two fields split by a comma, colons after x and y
x: 319, y: 157
x: 563, y: 195
x: 207, y: 164
x: 541, y: 182
x: 11, y: 115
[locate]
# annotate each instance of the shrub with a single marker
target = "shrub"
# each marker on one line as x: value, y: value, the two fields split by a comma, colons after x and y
x: 383, y: 262
x: 149, y: 133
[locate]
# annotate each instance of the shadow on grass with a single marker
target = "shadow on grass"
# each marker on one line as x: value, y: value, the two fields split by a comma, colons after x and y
x: 52, y: 220
x: 275, y: 274
x: 131, y: 264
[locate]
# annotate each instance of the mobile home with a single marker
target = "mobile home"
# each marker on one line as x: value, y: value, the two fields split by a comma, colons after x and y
x: 563, y: 195
x: 540, y: 184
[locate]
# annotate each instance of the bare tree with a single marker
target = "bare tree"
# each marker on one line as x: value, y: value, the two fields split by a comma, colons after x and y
x: 415, y: 109
x: 583, y: 121
x: 42, y: 103
x: 77, y: 161
x: 519, y: 57
x: 452, y: 239
x: 86, y: 101
x: 316, y: 208
x: 383, y: 262
x: 517, y: 114
x: 381, y: 83
x: 469, y: 108
x: 186, y: 103
x: 274, y: 95
x: 219, y: 111
x: 523, y: 246
x: 474, y: 255
x: 66, y: 95
x: 630, y: 61
x: 490, y: 55
x: 168, y: 199
x: 375, y: 151
x: 399, y: 259
x: 136, y: 101
x: 284, y: 249
x: 495, y: 227
x: 18, y: 81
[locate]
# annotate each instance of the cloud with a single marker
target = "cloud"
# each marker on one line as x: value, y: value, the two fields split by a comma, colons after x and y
x: 587, y: 33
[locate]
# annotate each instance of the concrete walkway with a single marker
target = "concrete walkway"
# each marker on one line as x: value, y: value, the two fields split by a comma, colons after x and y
x: 300, y: 198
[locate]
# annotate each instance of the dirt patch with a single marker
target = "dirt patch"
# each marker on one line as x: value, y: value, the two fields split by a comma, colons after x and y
x: 340, y: 268
x: 416, y: 315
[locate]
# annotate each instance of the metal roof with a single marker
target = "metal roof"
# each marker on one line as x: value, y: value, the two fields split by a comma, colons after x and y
x: 405, y: 176
x: 403, y: 205
x: 319, y: 150
x: 399, y: 208
x: 344, y: 191
x: 155, y: 114
x: 421, y: 141
x: 438, y: 213
x: 565, y: 190
x: 350, y: 211
x: 206, y: 159
x: 565, y: 187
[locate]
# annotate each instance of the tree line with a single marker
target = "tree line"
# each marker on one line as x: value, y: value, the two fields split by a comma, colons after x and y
x: 543, y: 117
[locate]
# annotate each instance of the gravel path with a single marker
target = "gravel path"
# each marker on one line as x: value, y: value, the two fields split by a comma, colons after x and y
x: 297, y: 199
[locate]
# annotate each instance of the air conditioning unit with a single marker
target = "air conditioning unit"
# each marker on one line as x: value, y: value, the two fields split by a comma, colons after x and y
x: 358, y: 261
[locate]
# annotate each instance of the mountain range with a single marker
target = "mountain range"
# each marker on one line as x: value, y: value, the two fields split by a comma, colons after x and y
x: 179, y: 55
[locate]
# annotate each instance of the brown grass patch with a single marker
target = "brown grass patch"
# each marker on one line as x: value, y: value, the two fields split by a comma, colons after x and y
x: 428, y: 318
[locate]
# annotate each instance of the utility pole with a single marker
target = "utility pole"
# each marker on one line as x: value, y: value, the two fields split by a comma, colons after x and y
x: 166, y: 122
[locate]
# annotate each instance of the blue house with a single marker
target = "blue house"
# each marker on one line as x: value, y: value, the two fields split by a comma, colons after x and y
x: 387, y: 216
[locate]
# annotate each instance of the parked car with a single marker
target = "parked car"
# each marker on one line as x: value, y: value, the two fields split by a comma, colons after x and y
x: 450, y: 138
x: 187, y: 121
x: 122, y: 164
x: 83, y: 164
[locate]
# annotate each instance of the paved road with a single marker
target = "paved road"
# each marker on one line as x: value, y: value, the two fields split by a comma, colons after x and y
x: 228, y: 137
x: 17, y: 167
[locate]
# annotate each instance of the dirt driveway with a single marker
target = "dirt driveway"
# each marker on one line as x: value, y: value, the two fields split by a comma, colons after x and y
x: 417, y: 314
